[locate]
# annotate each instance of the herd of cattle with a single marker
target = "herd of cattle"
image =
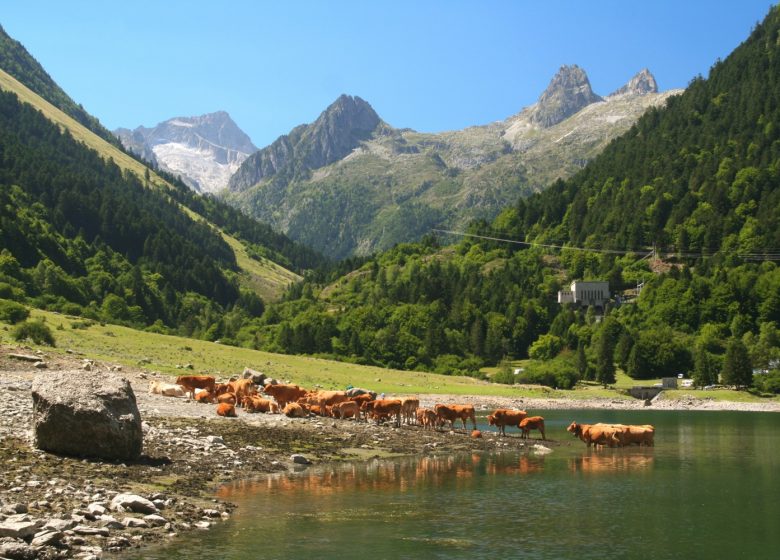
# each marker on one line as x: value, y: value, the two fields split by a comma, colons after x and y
x: 359, y: 404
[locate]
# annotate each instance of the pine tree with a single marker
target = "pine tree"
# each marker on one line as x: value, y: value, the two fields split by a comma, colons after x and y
x: 705, y: 369
x: 737, y: 369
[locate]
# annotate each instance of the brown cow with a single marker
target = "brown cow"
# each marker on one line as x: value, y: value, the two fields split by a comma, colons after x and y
x: 426, y: 418
x: 595, y: 434
x: 503, y: 417
x: 451, y: 412
x: 229, y: 398
x: 284, y: 394
x: 409, y: 408
x: 346, y: 409
x: 192, y: 382
x: 226, y: 409
x: 241, y: 388
x: 383, y: 408
x: 258, y: 404
x: 204, y: 397
x: 531, y: 423
x: 629, y: 434
x: 294, y: 410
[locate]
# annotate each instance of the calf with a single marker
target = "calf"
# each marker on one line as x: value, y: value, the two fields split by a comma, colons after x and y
x: 532, y: 423
x: 426, y: 418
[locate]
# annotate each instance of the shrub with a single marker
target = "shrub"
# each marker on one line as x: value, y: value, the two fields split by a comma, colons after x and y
x: 559, y: 374
x: 36, y: 331
x: 12, y: 312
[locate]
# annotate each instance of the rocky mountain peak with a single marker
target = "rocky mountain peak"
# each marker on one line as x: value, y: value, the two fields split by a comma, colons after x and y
x: 568, y: 92
x: 642, y: 83
x: 205, y: 150
x: 337, y: 131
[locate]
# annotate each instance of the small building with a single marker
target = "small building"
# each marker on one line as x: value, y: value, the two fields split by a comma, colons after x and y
x: 585, y: 294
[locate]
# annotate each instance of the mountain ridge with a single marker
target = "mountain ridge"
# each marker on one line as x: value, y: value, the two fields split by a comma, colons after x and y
x: 394, y: 185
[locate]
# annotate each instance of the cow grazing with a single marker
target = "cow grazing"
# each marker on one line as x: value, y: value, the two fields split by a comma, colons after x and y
x: 451, y: 412
x: 409, y: 408
x: 284, y: 394
x: 503, y: 417
x: 532, y: 423
x: 227, y: 410
x: 191, y: 382
x: 166, y: 389
x: 294, y: 410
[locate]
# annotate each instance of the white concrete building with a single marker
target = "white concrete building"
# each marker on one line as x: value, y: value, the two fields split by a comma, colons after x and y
x: 586, y: 293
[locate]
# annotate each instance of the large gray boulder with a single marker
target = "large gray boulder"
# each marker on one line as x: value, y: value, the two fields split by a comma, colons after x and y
x: 86, y: 414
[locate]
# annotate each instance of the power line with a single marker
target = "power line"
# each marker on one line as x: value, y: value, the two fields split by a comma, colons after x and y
x: 768, y: 255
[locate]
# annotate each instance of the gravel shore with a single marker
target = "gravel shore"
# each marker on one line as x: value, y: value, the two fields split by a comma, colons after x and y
x: 61, y: 507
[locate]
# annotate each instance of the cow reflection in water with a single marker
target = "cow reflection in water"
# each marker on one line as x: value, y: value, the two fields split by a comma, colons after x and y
x: 525, y: 464
x: 380, y: 475
x: 610, y: 462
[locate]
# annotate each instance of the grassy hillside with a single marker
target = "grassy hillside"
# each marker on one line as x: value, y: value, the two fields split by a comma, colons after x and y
x: 262, y: 276
x: 162, y: 353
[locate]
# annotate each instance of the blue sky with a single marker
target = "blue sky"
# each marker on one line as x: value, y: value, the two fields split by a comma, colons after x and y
x: 429, y: 65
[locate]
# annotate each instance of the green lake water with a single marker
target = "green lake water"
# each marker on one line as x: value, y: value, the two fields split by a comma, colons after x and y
x: 710, y: 488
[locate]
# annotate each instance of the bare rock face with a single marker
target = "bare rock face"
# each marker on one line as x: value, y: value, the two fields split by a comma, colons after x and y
x: 641, y: 84
x: 86, y: 414
x: 568, y: 92
x: 337, y: 131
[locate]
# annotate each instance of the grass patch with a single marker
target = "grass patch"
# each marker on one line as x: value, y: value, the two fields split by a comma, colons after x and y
x: 156, y: 352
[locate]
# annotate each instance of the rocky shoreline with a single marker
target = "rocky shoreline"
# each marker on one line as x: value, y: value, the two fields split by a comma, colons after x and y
x: 55, y: 506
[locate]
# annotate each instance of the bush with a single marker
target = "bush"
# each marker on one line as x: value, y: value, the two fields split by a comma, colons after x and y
x: 768, y: 382
x: 559, y: 374
x: 12, y: 312
x: 36, y: 331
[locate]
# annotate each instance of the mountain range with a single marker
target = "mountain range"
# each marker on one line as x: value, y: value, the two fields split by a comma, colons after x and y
x: 351, y: 184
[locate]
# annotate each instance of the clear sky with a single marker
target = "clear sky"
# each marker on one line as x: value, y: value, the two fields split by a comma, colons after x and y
x: 431, y: 65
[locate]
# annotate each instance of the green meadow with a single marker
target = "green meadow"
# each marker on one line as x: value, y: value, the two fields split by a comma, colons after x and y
x: 175, y: 355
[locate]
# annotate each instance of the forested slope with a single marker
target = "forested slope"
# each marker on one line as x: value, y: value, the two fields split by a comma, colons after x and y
x: 697, y: 179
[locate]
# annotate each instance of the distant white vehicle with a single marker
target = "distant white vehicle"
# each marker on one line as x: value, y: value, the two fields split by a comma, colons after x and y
x: 687, y: 383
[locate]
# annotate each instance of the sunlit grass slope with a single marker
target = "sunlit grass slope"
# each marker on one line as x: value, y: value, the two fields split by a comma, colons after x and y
x: 266, y: 278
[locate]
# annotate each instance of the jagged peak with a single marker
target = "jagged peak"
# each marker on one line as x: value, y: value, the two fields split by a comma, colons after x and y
x: 642, y: 83
x: 568, y: 92
x: 351, y: 105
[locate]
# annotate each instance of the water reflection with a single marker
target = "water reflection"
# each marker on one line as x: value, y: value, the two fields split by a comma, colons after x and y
x: 599, y: 461
x: 384, y: 475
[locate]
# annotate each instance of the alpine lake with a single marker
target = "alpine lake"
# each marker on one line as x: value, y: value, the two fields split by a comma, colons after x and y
x: 710, y: 488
